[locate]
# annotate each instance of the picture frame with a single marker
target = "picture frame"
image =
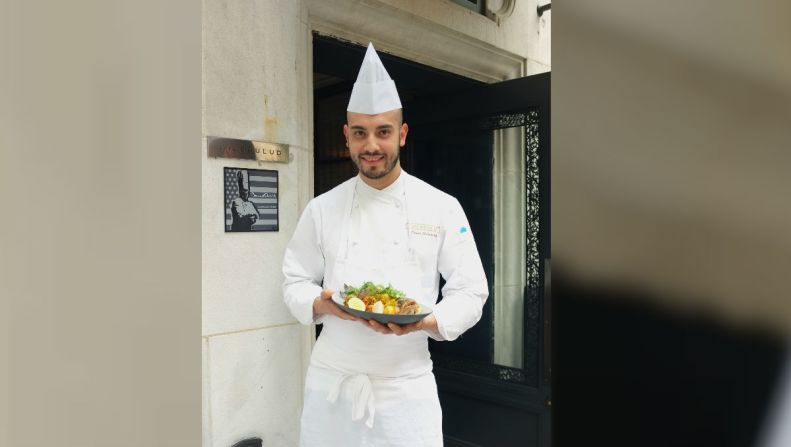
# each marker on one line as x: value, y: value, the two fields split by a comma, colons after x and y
x: 251, y: 200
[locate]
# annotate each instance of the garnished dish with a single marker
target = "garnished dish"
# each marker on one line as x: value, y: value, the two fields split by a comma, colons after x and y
x: 378, y: 299
x: 384, y: 304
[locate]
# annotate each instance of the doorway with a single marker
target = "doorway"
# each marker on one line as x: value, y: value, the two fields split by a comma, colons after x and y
x: 479, y: 143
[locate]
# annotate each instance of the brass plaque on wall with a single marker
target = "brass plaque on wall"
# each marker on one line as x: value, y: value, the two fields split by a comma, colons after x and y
x: 247, y: 149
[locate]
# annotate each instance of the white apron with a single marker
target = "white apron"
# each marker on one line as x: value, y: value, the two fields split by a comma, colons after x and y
x: 364, y: 388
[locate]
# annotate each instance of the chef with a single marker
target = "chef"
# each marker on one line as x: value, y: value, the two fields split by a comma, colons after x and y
x: 370, y: 384
x: 243, y: 211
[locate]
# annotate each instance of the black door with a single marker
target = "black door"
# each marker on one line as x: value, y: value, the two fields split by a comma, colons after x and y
x: 452, y: 145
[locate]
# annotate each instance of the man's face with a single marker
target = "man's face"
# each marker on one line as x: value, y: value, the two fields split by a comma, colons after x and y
x: 374, y: 143
x: 244, y: 193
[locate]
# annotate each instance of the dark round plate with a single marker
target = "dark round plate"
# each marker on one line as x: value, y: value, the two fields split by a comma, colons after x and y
x: 383, y: 318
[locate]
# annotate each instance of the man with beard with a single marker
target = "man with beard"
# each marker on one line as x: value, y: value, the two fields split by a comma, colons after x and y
x: 387, y: 227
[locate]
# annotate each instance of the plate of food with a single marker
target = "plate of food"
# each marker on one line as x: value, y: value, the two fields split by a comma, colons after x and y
x: 383, y: 304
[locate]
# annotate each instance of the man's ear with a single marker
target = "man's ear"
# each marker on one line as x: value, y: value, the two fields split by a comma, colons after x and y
x: 346, y: 132
x: 402, y: 134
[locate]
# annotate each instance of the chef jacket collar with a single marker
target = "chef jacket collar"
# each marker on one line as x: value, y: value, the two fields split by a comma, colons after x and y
x: 394, y: 191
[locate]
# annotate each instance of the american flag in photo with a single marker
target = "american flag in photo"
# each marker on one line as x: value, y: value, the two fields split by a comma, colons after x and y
x: 263, y: 194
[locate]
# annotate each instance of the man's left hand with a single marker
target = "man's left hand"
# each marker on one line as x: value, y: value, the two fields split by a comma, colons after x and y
x: 428, y: 324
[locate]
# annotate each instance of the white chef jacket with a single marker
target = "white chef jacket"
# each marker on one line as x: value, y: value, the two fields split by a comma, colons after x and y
x: 410, y: 229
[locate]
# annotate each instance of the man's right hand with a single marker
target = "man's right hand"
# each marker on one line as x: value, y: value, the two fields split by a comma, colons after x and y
x: 323, y: 304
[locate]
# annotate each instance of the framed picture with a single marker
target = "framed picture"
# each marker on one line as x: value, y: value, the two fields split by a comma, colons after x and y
x: 251, y: 200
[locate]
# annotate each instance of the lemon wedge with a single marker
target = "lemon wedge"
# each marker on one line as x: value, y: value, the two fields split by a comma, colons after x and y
x: 356, y: 303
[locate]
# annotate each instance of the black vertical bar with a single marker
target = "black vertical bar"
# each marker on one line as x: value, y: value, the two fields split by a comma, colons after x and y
x: 545, y: 249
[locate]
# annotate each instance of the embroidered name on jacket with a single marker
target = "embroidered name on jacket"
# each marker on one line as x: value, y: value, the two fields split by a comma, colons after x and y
x: 425, y: 229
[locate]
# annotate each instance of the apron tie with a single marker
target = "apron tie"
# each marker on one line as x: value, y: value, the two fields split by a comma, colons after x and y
x: 362, y: 395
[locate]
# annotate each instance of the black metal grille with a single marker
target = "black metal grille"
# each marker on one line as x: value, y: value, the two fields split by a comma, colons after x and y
x: 531, y: 296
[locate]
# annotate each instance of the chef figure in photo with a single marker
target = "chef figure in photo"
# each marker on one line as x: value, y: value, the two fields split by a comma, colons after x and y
x: 370, y: 384
x: 243, y: 212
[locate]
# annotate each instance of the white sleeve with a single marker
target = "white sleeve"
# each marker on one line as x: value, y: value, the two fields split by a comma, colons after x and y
x: 466, y: 288
x: 303, y: 266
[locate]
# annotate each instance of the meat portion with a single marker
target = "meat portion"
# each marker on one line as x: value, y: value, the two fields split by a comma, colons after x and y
x: 408, y: 306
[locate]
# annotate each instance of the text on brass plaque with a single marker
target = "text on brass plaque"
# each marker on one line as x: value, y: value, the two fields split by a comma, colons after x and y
x: 247, y: 149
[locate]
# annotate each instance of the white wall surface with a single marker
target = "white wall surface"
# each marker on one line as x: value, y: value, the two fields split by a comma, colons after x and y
x: 257, y: 84
x: 255, y: 386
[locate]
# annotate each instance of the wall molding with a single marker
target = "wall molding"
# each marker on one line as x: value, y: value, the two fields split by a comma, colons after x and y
x: 419, y: 39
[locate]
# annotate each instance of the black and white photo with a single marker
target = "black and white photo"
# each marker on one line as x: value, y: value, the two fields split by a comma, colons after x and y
x: 251, y: 200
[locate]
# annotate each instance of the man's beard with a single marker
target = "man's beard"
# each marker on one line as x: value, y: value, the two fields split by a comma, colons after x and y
x: 374, y: 174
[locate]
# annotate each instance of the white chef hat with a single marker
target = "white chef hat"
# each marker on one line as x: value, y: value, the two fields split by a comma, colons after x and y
x: 374, y: 91
x: 242, y: 180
